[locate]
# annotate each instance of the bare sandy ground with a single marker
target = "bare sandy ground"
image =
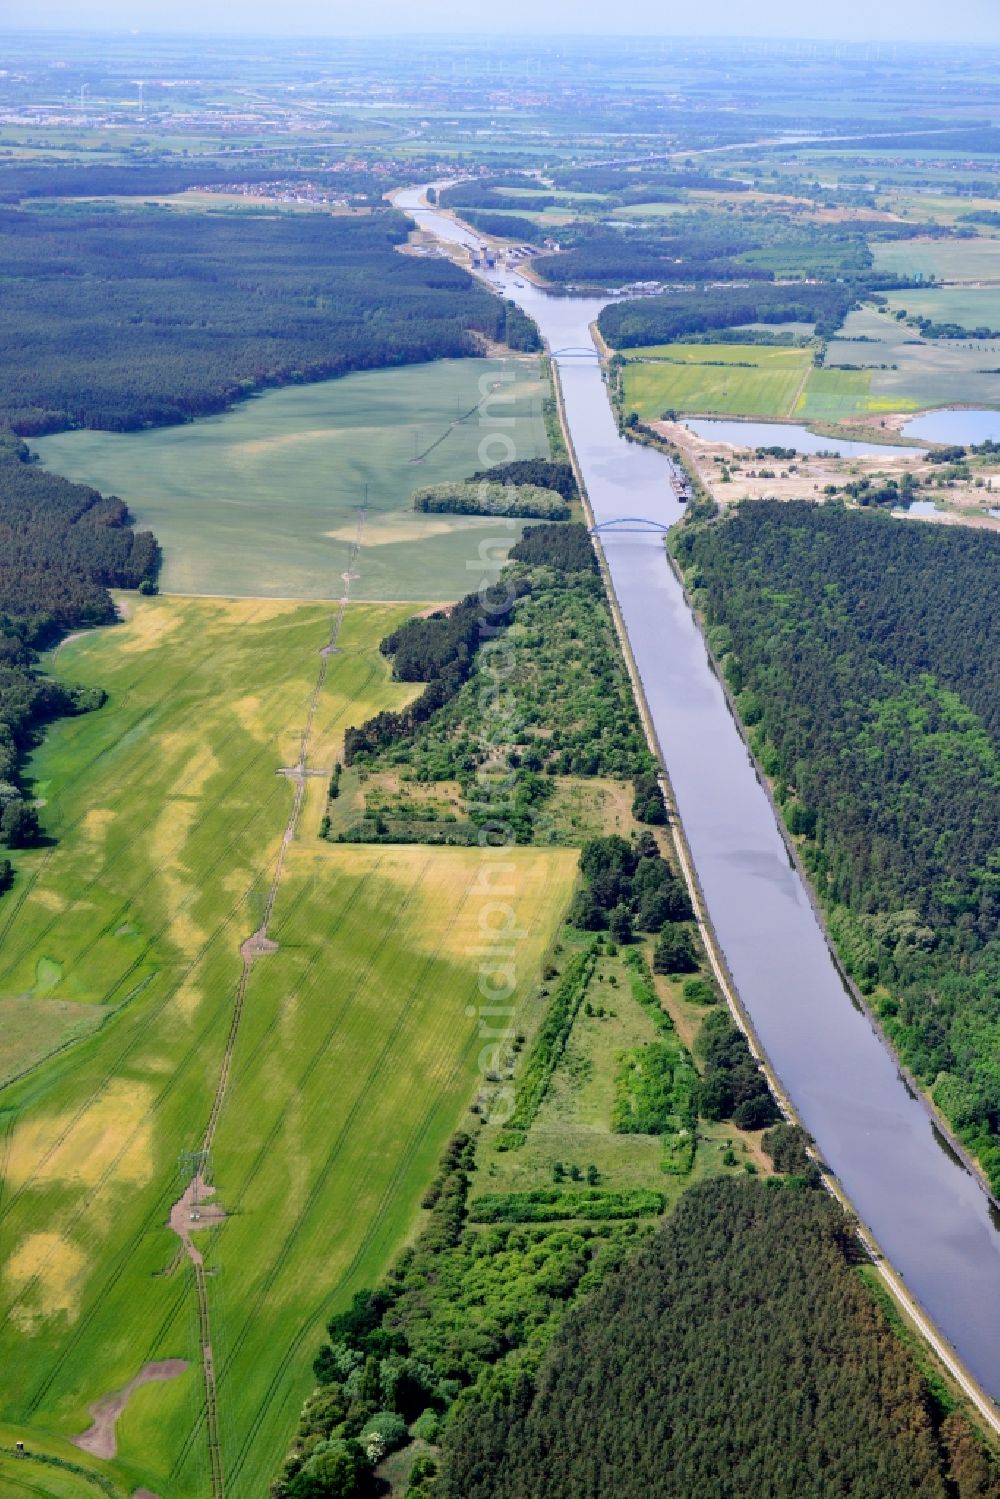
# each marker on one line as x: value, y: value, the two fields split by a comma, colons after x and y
x: 101, y: 1439
x: 197, y: 1190
x: 806, y: 477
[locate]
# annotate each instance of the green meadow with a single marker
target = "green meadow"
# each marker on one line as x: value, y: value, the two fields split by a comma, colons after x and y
x: 356, y: 1054
x: 262, y: 500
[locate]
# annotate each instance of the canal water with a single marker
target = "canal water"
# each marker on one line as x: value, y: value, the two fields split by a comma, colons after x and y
x: 930, y: 1217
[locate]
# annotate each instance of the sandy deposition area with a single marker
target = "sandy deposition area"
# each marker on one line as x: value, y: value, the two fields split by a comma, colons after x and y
x: 101, y: 1439
x: 412, y: 526
x: 806, y: 477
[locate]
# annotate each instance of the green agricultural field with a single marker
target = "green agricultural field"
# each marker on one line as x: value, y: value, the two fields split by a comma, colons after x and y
x: 948, y: 259
x: 29, y: 1479
x: 969, y: 306
x: 261, y: 501
x: 921, y: 372
x: 832, y: 395
x: 355, y: 1056
x: 633, y: 211
x: 706, y: 379
x: 935, y: 207
x: 711, y: 379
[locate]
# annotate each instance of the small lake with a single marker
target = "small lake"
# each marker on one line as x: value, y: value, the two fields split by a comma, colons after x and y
x: 958, y: 427
x: 788, y: 435
x: 919, y: 507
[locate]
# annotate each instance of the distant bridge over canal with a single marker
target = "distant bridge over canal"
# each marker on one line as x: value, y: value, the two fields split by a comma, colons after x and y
x: 624, y: 523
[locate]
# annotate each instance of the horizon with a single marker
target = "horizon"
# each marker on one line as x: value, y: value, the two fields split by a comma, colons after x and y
x: 514, y: 37
x: 896, y: 22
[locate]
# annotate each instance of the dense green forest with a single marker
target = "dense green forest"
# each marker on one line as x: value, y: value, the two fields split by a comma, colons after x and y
x: 62, y: 546
x: 120, y: 319
x: 510, y: 226
x: 489, y: 194
x: 699, y: 248
x: 737, y: 1353
x: 702, y: 245
x: 24, y: 180
x: 682, y: 314
x: 627, y: 887
x: 544, y: 472
x: 865, y: 655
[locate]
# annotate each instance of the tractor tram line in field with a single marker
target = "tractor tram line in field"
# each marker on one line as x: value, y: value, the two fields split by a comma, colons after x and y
x: 402, y: 1166
x: 158, y: 1213
x: 257, y: 945
x: 122, y: 911
x: 143, y: 1030
x: 197, y: 1046
x: 85, y: 768
x: 369, y: 937
x: 268, y: 1143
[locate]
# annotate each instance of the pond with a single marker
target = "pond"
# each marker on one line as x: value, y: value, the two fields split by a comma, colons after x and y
x: 957, y: 427
x: 919, y: 507
x: 788, y: 435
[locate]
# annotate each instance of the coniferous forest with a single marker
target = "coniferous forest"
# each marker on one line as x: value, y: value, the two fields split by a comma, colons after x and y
x: 737, y: 1353
x: 865, y: 658
x: 123, y: 319
x: 62, y: 546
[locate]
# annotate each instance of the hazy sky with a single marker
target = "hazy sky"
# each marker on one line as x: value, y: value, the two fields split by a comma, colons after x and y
x: 856, y: 20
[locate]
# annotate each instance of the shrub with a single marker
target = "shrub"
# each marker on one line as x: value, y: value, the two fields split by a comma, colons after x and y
x: 700, y: 991
x: 647, y: 802
x: 674, y: 951
x: 427, y: 1426
x: 388, y: 1427
x: 489, y: 498
x: 549, y: 1204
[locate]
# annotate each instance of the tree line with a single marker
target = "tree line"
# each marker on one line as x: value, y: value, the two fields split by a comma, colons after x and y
x: 681, y: 314
x: 62, y: 546
x: 24, y: 180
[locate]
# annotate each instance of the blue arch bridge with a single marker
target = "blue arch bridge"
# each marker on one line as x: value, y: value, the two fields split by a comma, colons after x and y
x: 624, y: 523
